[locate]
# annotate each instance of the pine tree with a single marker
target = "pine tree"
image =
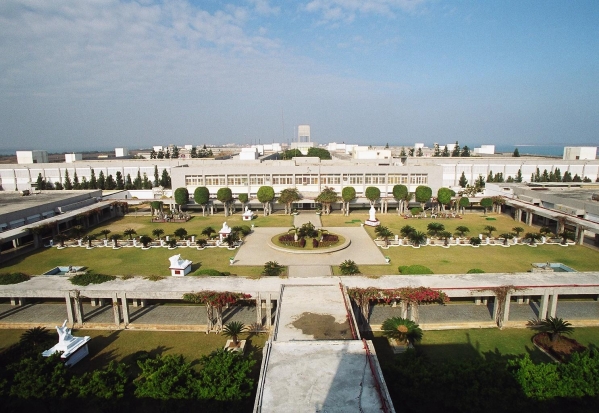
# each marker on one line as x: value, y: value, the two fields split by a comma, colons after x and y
x: 490, y: 176
x: 419, y: 153
x: 68, y: 185
x: 128, y: 183
x: 567, y: 177
x: 101, y: 181
x: 516, y: 153
x: 153, y: 154
x: 463, y: 181
x: 137, y: 183
x: 557, y: 175
x: 119, y: 181
x: 76, y: 184
x: 437, y: 150
x: 160, y: 154
x: 110, y: 184
x: 175, y: 154
x: 465, y: 152
x: 84, y: 183
x: 93, y: 183
x: 156, y: 176
x: 167, y: 155
x: 456, y: 150
x: 518, y: 176
x: 194, y: 152
x: 445, y: 152
x: 40, y: 183
x: 403, y: 151
x: 146, y: 184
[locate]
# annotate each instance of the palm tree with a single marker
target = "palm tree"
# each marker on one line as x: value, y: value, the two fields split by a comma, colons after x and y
x: 35, y: 336
x: 233, y: 330
x: 556, y: 327
x: 61, y: 238
x: 129, y: 232
x: 115, y: 238
x: 402, y: 329
x: 201, y: 242
x: 349, y: 267
x: 474, y: 241
x: 157, y: 232
x: 445, y: 235
x: 506, y: 236
x: 434, y: 228
x: 384, y: 233
x: 545, y: 231
x: 181, y: 233
x: 566, y: 235
x: 77, y: 231
x: 406, y: 230
x: 208, y: 231
x: 105, y: 232
x: 461, y: 230
x: 490, y: 229
x: 89, y: 238
x: 518, y: 230
x: 145, y: 240
x: 417, y: 238
x: 532, y: 237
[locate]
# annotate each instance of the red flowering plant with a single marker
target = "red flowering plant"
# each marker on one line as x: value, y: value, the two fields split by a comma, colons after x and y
x: 215, y: 301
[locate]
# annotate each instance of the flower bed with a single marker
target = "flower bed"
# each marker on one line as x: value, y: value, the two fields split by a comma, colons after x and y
x: 561, y: 349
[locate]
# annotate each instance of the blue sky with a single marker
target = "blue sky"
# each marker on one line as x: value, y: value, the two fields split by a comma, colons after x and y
x: 78, y: 75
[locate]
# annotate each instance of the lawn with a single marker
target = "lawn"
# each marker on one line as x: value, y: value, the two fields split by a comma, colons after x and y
x: 474, y: 343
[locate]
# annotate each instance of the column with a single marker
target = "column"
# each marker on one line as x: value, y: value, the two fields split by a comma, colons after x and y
x: 543, y: 306
x: 477, y: 301
x: 70, y: 316
x: 268, y: 311
x: 553, y: 305
x: 579, y: 234
x: 520, y: 299
x: 258, y: 309
x: 506, y: 308
x: 115, y: 310
x: 78, y: 309
x: 143, y: 302
x: 94, y: 302
x: 125, y: 308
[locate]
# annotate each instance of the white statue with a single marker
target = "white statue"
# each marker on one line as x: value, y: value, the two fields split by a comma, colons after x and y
x: 72, y: 348
x: 372, y: 212
x: 64, y: 333
x: 225, y: 228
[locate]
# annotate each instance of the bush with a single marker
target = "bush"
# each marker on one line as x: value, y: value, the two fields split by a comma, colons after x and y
x: 245, y: 230
x: 330, y: 238
x: 209, y: 271
x: 415, y: 210
x: 349, y: 267
x: 272, y: 269
x: 302, y: 242
x: 13, y: 278
x: 87, y: 279
x: 414, y: 270
x: 314, y: 243
x: 286, y: 238
x: 475, y: 271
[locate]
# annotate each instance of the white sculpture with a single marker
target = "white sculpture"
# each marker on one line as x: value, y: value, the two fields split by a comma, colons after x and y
x: 224, y: 231
x: 179, y: 267
x: 248, y: 215
x: 372, y: 221
x: 73, y: 348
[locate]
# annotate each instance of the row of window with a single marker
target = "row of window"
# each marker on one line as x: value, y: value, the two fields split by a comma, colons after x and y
x: 306, y: 179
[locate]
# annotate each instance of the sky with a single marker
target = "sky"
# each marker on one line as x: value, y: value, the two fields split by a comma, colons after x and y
x: 81, y: 75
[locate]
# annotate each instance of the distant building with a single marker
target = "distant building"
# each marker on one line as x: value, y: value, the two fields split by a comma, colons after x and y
x: 303, y: 133
x: 72, y: 157
x: 121, y: 152
x: 248, y: 154
x: 484, y: 150
x: 572, y: 153
x: 25, y: 157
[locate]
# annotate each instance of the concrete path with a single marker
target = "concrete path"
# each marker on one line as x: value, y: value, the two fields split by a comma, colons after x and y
x: 305, y: 217
x: 298, y: 271
x: 362, y: 250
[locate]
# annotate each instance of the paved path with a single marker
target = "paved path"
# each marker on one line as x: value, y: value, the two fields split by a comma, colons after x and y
x: 299, y: 271
x: 362, y: 250
x: 305, y: 217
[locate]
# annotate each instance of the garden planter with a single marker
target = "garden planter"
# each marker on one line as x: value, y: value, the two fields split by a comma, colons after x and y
x: 240, y: 346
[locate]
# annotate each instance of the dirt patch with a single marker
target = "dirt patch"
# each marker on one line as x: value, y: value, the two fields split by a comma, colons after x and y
x: 561, y: 349
x: 322, y: 327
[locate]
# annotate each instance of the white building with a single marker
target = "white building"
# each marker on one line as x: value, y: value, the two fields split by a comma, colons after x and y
x: 580, y: 153
x: 72, y: 157
x: 25, y: 157
x: 303, y: 133
x: 485, y: 150
x: 363, y: 152
x: 248, y: 154
x: 121, y: 152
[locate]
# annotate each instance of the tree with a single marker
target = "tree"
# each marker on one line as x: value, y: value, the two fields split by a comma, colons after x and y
x: 486, y: 203
x: 461, y: 230
x: 165, y: 180
x: 348, y: 194
x: 349, y: 267
x: 490, y: 229
x: 566, y: 235
x: 373, y: 194
x: 137, y: 182
x: 105, y: 232
x: 225, y: 376
x: 175, y: 154
x: 434, y: 228
x: 181, y: 233
x: 152, y: 154
x: 208, y: 231
x: 119, y: 181
x: 456, y: 150
x: 115, y: 238
x: 128, y: 182
x: 225, y: 195
x: 243, y: 198
x: 35, y: 337
x: 42, y: 378
x: 201, y: 196
x: 145, y: 182
x: 145, y: 240
x: 444, y: 196
x: 194, y: 152
x: 556, y: 327
x: 417, y: 238
x: 532, y: 237
x: 265, y: 195
x: 165, y: 378
x: 215, y: 301
x: 402, y: 195
x: 102, y: 387
x: 406, y: 230
x: 129, y: 232
x: 93, y: 183
x: 160, y: 154
x: 464, y: 203
x: 516, y: 153
x: 288, y: 197
x: 272, y: 269
x: 402, y: 329
x: 181, y: 196
x: 465, y: 152
x: 327, y: 197
x: 437, y: 151
x: 40, y: 183
x: 319, y: 152
x: 110, y: 183
x: 506, y: 236
x: 68, y: 185
x: 157, y: 232
x: 419, y: 152
x: 61, y: 238
x: 233, y: 330
x: 463, y: 181
x: 475, y: 241
x: 101, y: 181
x: 423, y: 194
x: 76, y: 184
x: 384, y: 233
x: 445, y: 152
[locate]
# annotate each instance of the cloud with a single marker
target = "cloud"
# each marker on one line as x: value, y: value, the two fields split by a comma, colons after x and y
x: 264, y: 8
x: 347, y: 10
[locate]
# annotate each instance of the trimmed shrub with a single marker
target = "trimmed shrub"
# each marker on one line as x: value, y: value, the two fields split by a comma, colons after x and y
x: 88, y: 278
x: 13, y: 278
x: 302, y: 242
x: 414, y: 270
x: 475, y: 271
x: 314, y: 243
x: 286, y: 238
x: 209, y: 271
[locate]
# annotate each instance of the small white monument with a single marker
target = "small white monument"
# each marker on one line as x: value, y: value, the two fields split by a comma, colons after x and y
x: 248, y: 215
x: 372, y: 221
x: 73, y: 348
x: 224, y: 231
x: 179, y: 267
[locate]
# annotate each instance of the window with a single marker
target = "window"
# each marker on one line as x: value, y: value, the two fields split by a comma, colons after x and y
x: 419, y: 179
x: 356, y: 179
x: 233, y: 180
x: 215, y: 180
x: 306, y: 179
x: 257, y: 179
x: 194, y: 180
x: 374, y: 179
x: 398, y: 179
x: 282, y: 179
x: 330, y: 179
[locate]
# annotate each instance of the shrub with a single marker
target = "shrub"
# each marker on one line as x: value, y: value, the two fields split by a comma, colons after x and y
x: 89, y: 278
x: 154, y: 277
x: 415, y: 210
x: 414, y: 270
x: 13, y: 278
x: 314, y: 243
x: 330, y: 238
x: 245, y: 230
x: 273, y: 268
x: 349, y: 267
x: 475, y: 241
x: 475, y: 271
x: 209, y: 271
x: 286, y: 238
x: 302, y: 242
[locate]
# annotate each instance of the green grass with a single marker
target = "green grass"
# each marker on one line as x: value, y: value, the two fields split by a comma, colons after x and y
x: 474, y: 343
x: 309, y: 245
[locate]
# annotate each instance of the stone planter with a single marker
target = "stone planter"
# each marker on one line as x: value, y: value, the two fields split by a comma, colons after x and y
x: 240, y: 346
